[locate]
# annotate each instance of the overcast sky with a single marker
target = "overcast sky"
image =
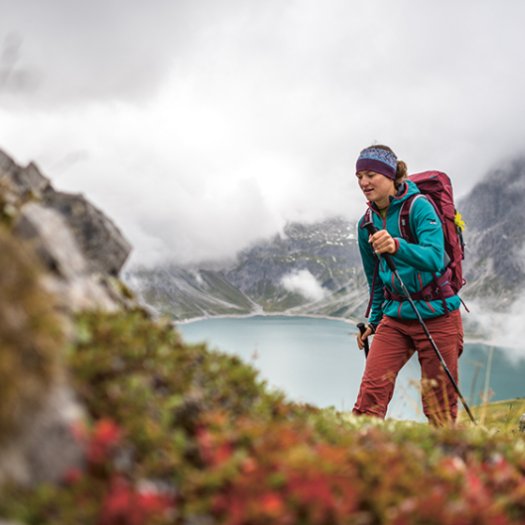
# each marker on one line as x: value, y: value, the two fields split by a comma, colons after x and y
x: 201, y: 125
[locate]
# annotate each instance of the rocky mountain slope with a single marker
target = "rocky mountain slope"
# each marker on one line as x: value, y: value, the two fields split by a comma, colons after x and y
x: 274, y: 275
x: 326, y: 254
x: 495, y: 249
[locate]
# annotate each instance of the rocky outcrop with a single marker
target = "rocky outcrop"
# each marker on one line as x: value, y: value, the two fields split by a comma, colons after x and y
x: 80, y: 247
x: 59, y: 255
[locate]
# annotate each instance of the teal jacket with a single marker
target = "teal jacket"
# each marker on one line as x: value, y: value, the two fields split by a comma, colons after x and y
x: 416, y: 263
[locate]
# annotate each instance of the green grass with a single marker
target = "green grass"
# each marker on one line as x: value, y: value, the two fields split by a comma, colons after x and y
x: 501, y: 416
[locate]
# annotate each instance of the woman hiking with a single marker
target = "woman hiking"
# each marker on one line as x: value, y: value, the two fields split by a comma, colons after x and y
x: 393, y: 322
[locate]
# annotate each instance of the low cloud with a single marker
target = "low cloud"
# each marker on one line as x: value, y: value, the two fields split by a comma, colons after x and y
x: 304, y: 283
x: 502, y: 329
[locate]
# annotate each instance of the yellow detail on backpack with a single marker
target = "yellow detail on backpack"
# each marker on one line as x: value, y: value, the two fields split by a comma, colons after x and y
x: 458, y: 221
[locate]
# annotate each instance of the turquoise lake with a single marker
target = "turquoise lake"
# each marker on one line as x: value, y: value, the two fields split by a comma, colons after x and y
x: 316, y: 360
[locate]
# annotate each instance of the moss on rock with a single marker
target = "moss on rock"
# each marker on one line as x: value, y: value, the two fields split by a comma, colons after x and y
x: 30, y: 333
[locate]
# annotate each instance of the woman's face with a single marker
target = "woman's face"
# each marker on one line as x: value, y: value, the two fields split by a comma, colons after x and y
x: 376, y: 187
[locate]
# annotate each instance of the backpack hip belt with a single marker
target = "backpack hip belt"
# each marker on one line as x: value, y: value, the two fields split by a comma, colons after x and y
x: 439, y: 288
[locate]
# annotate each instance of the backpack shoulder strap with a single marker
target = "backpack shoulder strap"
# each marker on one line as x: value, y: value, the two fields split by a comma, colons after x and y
x: 404, y: 218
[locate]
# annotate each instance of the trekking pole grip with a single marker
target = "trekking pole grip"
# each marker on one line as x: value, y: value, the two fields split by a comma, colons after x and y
x: 371, y: 227
x: 362, y: 329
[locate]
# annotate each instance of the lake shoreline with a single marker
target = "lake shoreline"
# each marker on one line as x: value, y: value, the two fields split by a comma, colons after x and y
x: 467, y: 339
x: 264, y: 314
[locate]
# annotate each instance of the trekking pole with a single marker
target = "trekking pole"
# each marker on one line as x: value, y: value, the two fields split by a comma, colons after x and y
x: 362, y: 329
x: 373, y: 229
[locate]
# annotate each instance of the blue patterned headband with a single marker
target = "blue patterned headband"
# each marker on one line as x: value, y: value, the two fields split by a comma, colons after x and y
x: 378, y: 160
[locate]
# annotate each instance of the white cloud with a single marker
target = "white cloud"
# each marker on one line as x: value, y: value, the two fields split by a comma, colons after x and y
x: 304, y: 283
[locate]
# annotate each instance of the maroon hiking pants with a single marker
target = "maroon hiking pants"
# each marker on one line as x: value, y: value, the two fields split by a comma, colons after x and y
x: 393, y: 344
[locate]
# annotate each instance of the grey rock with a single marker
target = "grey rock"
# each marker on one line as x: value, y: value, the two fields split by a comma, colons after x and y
x: 24, y: 182
x: 52, y: 239
x: 522, y: 423
x: 82, y: 248
x: 69, y: 278
x: 45, y: 448
x: 6, y: 164
x: 102, y: 244
x: 29, y: 179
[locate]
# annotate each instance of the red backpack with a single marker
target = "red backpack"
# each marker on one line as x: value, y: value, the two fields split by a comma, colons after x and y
x: 437, y: 188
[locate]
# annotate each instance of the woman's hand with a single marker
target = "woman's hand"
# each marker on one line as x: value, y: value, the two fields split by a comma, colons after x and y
x: 362, y: 337
x: 383, y: 242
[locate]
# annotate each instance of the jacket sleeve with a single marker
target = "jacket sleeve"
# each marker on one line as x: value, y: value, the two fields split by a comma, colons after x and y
x: 370, y: 265
x: 428, y: 254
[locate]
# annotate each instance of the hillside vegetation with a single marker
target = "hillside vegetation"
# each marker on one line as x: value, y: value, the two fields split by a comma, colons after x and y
x: 180, y: 434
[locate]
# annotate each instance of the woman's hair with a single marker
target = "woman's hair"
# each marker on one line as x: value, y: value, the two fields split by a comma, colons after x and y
x: 401, y: 170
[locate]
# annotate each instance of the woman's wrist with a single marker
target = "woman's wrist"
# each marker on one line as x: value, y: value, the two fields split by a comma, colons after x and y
x: 396, y: 242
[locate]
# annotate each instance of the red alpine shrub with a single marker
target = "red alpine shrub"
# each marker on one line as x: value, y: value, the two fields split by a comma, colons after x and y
x: 104, y: 438
x: 125, y: 505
